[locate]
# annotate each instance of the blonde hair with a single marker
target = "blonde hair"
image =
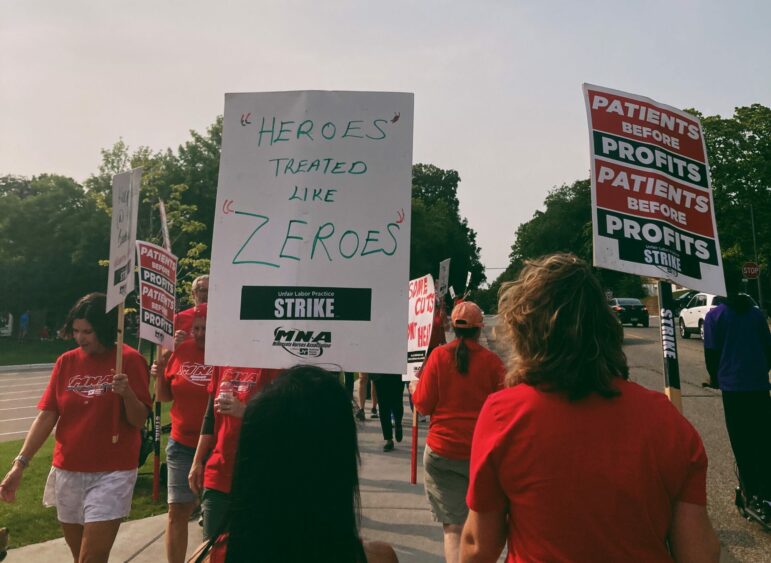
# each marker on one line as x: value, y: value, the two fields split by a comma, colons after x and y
x: 564, y: 336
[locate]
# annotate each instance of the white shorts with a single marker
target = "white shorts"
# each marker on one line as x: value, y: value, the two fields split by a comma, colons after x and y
x: 81, y: 497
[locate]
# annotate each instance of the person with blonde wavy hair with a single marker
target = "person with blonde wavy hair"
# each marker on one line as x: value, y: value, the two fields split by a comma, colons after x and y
x: 573, y: 462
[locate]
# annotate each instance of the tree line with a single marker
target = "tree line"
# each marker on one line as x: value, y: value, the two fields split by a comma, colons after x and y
x: 54, y: 232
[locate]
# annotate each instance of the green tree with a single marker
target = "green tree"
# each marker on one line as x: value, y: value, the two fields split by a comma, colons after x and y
x: 439, y: 232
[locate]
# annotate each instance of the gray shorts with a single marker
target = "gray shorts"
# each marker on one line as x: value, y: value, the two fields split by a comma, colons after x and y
x: 446, y: 483
x: 179, y: 460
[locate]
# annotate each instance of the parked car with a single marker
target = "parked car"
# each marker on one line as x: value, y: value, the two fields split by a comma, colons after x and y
x: 691, y: 318
x: 630, y: 310
x: 682, y: 298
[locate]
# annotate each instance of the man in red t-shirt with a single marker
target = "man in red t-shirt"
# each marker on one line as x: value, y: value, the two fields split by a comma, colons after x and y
x: 219, y: 435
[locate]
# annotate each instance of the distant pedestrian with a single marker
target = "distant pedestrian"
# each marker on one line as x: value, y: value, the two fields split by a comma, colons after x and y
x: 737, y: 351
x: 573, y: 462
x: 390, y: 392
x: 92, y: 479
x: 24, y: 325
x: 454, y: 383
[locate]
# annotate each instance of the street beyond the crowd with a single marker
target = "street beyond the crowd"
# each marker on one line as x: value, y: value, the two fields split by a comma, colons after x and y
x: 397, y: 512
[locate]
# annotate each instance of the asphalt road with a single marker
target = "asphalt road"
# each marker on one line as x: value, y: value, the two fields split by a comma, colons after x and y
x: 19, y: 394
x: 741, y: 540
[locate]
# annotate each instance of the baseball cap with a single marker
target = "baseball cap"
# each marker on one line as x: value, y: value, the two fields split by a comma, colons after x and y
x: 467, y: 314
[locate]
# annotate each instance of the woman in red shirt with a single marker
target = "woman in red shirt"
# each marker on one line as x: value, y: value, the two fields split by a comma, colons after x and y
x: 94, y: 469
x: 573, y: 462
x: 454, y: 383
x: 186, y: 382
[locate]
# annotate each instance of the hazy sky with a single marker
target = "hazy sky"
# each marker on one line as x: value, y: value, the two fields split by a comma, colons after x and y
x: 497, y: 84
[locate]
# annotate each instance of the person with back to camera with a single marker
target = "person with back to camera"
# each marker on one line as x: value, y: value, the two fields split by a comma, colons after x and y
x: 296, y: 482
x: 211, y: 473
x: 737, y: 350
x: 185, y: 382
x: 93, y: 475
x: 454, y: 383
x: 573, y: 462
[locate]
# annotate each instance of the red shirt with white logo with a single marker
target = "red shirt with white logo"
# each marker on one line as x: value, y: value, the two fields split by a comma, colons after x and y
x: 79, y: 391
x: 246, y: 383
x: 189, y: 377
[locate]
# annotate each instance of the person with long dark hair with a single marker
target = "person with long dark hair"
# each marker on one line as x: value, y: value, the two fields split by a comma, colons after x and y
x: 295, y: 494
x: 92, y: 479
x: 573, y: 462
x: 454, y: 384
x: 737, y: 351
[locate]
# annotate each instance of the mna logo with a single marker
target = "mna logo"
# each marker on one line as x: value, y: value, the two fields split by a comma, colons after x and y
x: 302, y: 343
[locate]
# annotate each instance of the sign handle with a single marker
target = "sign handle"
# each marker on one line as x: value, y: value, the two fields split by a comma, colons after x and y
x: 414, y: 453
x: 669, y: 345
x: 118, y: 369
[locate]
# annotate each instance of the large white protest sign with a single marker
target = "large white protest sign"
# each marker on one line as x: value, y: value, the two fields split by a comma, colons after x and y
x: 157, y: 290
x: 652, y: 206
x: 123, y: 232
x: 310, y: 257
x: 420, y: 323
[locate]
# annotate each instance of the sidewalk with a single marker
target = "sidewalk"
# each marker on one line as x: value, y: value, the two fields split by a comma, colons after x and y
x: 392, y: 511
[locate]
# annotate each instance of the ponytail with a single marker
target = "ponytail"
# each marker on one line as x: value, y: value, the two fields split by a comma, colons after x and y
x: 461, y: 356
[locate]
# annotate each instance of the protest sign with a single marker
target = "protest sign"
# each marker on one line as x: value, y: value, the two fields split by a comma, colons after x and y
x: 444, y: 278
x: 123, y: 232
x: 157, y: 290
x: 652, y: 206
x: 421, y: 320
x: 310, y: 254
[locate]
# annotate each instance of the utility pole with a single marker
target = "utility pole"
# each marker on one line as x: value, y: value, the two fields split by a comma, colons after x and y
x: 755, y: 250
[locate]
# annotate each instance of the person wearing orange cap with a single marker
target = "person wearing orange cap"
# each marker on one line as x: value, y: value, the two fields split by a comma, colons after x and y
x: 454, y: 384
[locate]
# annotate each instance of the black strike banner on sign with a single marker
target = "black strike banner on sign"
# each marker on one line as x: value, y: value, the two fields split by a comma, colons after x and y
x: 317, y: 303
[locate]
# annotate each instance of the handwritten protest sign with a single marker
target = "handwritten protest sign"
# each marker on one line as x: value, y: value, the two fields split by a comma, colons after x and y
x: 310, y: 255
x: 443, y: 281
x: 651, y: 192
x: 157, y: 289
x: 123, y: 232
x: 421, y: 320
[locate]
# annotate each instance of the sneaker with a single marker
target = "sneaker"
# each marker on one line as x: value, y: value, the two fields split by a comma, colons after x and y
x: 398, y: 432
x: 360, y: 415
x: 389, y: 445
x: 373, y: 414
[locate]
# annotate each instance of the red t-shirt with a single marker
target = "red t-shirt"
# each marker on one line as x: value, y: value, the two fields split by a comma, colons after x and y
x: 592, y: 480
x: 454, y: 399
x: 189, y: 377
x: 218, y: 474
x: 79, y: 391
x: 184, y: 321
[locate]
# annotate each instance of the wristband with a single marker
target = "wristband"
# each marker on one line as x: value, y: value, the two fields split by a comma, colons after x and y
x: 23, y: 461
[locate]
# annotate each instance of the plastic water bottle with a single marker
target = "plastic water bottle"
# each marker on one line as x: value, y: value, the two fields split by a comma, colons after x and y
x: 226, y: 391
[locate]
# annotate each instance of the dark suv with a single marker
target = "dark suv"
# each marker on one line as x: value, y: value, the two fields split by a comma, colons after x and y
x: 630, y: 310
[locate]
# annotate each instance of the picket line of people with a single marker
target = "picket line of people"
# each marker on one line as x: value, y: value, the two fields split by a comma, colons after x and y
x: 563, y: 458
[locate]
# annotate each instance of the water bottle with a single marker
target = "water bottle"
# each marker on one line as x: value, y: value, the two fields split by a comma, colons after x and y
x: 226, y: 391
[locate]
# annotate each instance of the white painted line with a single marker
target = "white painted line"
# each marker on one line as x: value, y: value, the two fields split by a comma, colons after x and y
x: 13, y: 392
x: 23, y: 379
x: 38, y: 384
x: 17, y: 432
x: 15, y: 419
x: 20, y: 398
x: 17, y: 408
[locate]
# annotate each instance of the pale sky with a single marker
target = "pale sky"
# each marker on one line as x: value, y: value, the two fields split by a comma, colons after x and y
x: 497, y: 84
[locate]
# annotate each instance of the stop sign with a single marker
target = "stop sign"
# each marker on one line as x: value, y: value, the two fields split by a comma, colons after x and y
x: 750, y: 270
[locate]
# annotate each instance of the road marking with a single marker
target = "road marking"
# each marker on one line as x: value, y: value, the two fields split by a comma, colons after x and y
x: 17, y: 408
x: 20, y: 398
x: 17, y: 432
x: 12, y: 392
x: 15, y: 419
x: 41, y: 384
x: 43, y: 377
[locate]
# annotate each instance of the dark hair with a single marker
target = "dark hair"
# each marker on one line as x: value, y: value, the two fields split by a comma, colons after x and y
x: 91, y: 308
x: 461, y: 350
x: 566, y: 339
x: 295, y: 495
x: 737, y: 301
